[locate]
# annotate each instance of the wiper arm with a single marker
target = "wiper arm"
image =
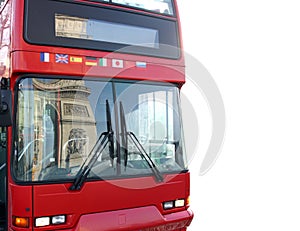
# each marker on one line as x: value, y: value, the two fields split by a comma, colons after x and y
x: 103, y: 140
x: 158, y: 176
x: 2, y: 166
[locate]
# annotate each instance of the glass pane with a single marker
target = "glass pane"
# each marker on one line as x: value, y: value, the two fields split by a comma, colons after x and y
x: 104, y: 31
x: 159, y: 6
x: 64, y: 125
x: 58, y: 125
x: 152, y: 115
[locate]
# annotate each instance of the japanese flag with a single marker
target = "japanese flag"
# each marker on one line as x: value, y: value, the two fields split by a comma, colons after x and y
x: 117, y: 63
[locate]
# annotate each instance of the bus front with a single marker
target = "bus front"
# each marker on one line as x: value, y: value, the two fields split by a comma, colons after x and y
x: 96, y: 141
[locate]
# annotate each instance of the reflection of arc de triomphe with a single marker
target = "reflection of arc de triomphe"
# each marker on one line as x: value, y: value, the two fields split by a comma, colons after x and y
x: 73, y: 123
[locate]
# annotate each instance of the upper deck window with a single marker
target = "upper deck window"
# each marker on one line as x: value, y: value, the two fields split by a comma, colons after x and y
x: 104, y: 28
x: 158, y: 6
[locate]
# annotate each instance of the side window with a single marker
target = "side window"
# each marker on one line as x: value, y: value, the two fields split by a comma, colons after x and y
x: 2, y: 176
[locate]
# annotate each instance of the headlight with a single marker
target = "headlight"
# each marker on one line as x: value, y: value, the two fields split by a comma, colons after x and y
x: 42, y: 221
x: 60, y: 219
x: 54, y: 220
x: 168, y: 205
x: 174, y: 204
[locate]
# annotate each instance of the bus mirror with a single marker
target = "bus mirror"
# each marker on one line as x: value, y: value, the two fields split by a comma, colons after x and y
x: 5, y: 108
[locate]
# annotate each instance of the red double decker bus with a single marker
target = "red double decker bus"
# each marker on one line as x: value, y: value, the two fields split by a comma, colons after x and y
x: 91, y: 133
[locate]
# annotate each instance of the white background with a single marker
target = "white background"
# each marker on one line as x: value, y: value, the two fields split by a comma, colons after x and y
x: 252, y: 49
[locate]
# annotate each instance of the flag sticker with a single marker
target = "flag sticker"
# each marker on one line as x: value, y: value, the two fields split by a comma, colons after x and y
x: 141, y: 64
x: 90, y: 61
x: 103, y: 62
x: 117, y: 63
x: 45, y: 57
x: 61, y: 58
x: 75, y: 59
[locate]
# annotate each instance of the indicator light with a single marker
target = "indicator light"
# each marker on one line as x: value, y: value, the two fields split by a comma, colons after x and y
x: 22, y: 222
x: 188, y: 201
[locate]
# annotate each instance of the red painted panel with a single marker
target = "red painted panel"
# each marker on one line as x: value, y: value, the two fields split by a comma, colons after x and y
x: 20, y: 201
x: 31, y: 62
x: 105, y: 196
x: 144, y: 218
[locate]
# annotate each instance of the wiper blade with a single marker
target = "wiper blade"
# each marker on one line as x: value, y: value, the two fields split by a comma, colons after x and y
x: 110, y: 134
x: 153, y: 167
x: 124, y: 134
x: 86, y: 168
x: 103, y: 140
x: 158, y: 176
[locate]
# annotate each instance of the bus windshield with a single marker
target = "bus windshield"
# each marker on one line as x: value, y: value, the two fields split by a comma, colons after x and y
x: 59, y: 123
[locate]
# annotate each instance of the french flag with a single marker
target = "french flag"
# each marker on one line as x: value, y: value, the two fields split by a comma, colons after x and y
x: 45, y: 57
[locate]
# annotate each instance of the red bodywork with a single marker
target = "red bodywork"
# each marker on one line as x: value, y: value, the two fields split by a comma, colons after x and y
x: 123, y: 204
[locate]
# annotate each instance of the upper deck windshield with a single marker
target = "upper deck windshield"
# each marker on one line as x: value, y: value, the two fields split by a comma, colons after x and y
x: 105, y: 28
x: 59, y: 123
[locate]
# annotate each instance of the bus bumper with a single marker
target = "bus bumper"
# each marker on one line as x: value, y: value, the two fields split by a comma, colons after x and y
x: 138, y: 219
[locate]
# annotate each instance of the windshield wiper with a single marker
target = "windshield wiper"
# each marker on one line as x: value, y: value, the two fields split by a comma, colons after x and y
x: 103, y: 140
x: 110, y: 134
x: 86, y: 168
x: 124, y: 134
x: 2, y: 166
x: 158, y: 176
x: 144, y: 154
